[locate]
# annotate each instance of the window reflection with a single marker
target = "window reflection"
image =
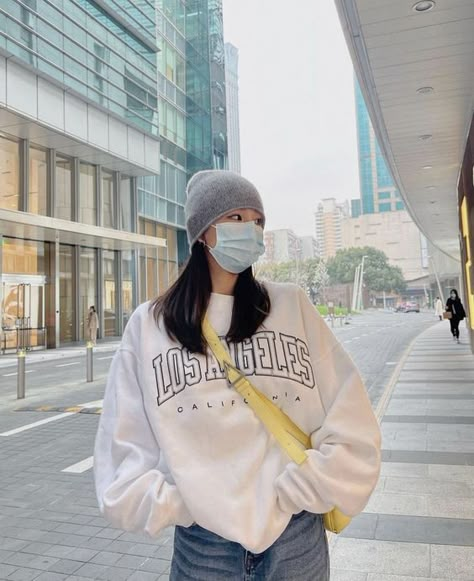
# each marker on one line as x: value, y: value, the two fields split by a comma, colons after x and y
x: 87, y: 194
x: 64, y: 188
x: 9, y: 174
x: 38, y: 182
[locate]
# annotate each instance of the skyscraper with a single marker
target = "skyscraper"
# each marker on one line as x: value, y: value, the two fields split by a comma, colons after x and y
x: 79, y: 123
x: 377, y: 190
x: 232, y: 104
x: 328, y: 226
x: 86, y: 215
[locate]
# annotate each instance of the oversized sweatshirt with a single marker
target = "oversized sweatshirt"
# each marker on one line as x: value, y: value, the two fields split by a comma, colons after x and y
x: 177, y: 445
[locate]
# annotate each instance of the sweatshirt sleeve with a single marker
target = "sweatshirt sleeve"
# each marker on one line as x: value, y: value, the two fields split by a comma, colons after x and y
x: 343, y: 465
x: 132, y: 493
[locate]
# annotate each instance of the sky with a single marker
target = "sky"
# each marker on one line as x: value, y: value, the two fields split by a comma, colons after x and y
x: 297, y: 111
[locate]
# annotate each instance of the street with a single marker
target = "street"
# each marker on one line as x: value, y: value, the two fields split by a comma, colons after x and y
x: 51, y: 528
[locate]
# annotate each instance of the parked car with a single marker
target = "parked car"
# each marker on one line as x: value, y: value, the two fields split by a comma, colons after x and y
x: 411, y: 307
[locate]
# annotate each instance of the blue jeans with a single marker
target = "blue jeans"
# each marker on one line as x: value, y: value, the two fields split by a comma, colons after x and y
x: 300, y: 554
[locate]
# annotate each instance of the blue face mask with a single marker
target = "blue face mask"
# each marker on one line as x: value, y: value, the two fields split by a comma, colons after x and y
x: 238, y: 245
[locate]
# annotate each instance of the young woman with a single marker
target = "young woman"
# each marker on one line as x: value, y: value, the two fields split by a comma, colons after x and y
x: 455, y: 307
x: 92, y: 324
x: 177, y: 445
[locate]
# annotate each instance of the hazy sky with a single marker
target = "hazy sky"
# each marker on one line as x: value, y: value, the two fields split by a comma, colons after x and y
x: 297, y: 113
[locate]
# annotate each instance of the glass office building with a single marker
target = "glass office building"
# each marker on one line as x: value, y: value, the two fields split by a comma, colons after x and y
x: 377, y: 189
x: 191, y: 131
x: 78, y: 126
x: 105, y: 113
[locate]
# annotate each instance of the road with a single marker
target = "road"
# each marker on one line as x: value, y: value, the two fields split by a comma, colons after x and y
x: 50, y: 529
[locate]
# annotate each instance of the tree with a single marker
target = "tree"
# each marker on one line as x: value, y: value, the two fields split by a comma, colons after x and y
x: 379, y: 275
x: 311, y: 275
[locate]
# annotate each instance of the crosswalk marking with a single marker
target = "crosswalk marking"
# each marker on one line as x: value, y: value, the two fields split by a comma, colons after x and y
x: 35, y: 424
x: 80, y: 467
x: 67, y: 364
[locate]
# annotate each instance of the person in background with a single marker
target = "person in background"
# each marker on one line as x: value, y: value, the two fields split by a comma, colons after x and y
x: 439, y: 308
x: 92, y: 324
x: 455, y: 307
x: 178, y: 445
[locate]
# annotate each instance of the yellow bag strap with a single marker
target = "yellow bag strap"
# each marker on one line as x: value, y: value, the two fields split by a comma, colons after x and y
x: 286, y: 432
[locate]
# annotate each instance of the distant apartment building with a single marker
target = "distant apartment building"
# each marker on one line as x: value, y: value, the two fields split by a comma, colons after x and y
x: 328, y: 226
x: 394, y: 233
x: 308, y: 247
x: 285, y: 246
x: 281, y: 246
x: 232, y: 106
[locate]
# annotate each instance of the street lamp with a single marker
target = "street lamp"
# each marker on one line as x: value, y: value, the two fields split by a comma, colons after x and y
x: 441, y: 294
x: 361, y: 283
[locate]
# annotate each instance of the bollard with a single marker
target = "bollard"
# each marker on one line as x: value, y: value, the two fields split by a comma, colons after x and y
x: 90, y: 362
x: 20, y: 380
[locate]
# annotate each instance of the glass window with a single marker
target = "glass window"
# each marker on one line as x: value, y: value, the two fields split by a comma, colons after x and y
x: 127, y: 285
x: 38, y: 182
x: 151, y: 274
x: 23, y: 256
x: 109, y: 297
x: 163, y: 271
x: 66, y: 294
x: 108, y: 199
x: 87, y: 286
x: 171, y: 237
x: 142, y: 268
x: 9, y: 174
x: 63, y: 188
x: 126, y: 204
x: 87, y: 194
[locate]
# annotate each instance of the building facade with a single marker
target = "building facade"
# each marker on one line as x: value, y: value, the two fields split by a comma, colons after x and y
x: 394, y: 233
x: 281, y: 246
x: 378, y: 192
x: 328, y: 226
x: 92, y: 182
x: 232, y: 105
x: 309, y: 247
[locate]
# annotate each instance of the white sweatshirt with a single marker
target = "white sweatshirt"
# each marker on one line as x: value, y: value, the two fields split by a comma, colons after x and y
x: 176, y: 445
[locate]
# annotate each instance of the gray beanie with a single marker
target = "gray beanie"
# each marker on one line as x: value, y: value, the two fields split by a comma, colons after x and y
x: 213, y: 193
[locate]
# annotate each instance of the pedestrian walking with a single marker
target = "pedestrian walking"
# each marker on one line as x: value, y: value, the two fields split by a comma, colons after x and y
x: 181, y: 439
x: 439, y: 308
x: 92, y: 324
x: 455, y: 307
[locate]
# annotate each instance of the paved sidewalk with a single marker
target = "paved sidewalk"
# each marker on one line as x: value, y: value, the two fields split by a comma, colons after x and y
x: 419, y: 524
x: 77, y: 350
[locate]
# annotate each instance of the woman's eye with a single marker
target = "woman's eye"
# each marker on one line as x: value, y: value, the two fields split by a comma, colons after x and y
x: 236, y: 217
x: 259, y: 221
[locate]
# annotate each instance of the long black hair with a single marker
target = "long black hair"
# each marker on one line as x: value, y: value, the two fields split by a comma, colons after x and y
x: 453, y: 290
x: 185, y: 303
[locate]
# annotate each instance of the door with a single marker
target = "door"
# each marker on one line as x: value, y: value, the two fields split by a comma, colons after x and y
x: 22, y: 313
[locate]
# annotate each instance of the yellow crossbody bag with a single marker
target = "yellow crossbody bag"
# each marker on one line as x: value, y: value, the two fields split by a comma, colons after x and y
x: 293, y: 440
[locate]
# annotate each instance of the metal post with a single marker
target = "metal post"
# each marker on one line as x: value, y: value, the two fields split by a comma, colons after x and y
x: 355, y: 291
x: 90, y: 361
x: 20, y: 382
x: 361, y: 285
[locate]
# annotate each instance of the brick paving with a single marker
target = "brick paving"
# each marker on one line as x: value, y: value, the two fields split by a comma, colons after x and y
x: 50, y: 529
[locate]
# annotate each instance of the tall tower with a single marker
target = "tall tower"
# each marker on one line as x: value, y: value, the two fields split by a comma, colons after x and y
x: 232, y: 100
x: 377, y: 191
x: 328, y: 226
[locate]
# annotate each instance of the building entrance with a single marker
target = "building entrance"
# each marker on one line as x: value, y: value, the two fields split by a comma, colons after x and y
x: 23, y: 313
